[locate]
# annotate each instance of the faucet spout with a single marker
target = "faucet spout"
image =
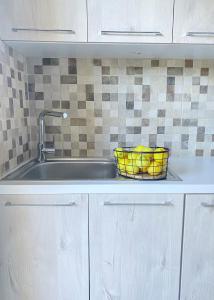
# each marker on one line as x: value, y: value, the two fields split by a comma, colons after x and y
x: 42, y: 150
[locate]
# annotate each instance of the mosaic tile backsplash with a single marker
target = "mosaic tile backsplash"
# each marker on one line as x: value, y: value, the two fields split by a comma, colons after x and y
x: 117, y: 102
x: 14, y: 110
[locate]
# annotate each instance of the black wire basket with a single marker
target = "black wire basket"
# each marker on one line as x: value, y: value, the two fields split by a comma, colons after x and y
x: 142, y: 163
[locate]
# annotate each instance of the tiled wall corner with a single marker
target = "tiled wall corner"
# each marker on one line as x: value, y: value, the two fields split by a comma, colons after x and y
x: 14, y: 110
x: 119, y: 102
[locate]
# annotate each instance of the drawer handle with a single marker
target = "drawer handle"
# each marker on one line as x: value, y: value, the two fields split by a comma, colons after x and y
x: 131, y: 33
x: 65, y: 31
x: 205, y: 204
x: 167, y: 203
x: 200, y: 33
x: 10, y: 204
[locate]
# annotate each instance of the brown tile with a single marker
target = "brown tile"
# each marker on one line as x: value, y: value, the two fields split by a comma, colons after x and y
x: 105, y: 70
x: 83, y: 137
x: 53, y: 129
x: 89, y: 92
x: 97, y: 62
x: 50, y: 61
x: 56, y: 104
x: 72, y: 66
x: 204, y: 71
x: 188, y: 63
x: 65, y: 104
x: 78, y: 122
x: 199, y: 152
x: 203, y: 89
x: 146, y: 93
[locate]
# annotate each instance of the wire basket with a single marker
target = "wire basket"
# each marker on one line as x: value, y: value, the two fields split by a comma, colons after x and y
x: 148, y: 164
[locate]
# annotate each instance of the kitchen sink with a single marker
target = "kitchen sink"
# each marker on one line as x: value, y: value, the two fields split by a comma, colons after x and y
x: 72, y: 169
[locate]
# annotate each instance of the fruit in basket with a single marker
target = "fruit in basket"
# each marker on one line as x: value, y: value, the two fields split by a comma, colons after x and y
x: 131, y: 169
x: 142, y: 164
x: 141, y: 148
x: 133, y: 155
x: 159, y: 157
x: 154, y: 168
x: 120, y: 153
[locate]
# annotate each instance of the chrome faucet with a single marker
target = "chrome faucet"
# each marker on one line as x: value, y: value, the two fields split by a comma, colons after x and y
x: 42, y: 150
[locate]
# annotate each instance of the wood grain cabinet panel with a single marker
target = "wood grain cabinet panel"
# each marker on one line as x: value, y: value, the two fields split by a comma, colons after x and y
x: 44, y: 20
x: 135, y: 246
x: 198, y: 249
x: 44, y: 247
x: 194, y: 21
x: 137, y: 21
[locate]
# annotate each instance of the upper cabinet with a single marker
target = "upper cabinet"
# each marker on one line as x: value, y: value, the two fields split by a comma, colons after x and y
x: 39, y: 20
x: 138, y: 21
x: 194, y: 21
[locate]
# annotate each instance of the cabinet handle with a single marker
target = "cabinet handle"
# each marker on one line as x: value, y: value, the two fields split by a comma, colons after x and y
x: 200, y: 33
x: 167, y: 203
x: 10, y: 204
x: 131, y: 33
x: 65, y: 31
x: 205, y: 204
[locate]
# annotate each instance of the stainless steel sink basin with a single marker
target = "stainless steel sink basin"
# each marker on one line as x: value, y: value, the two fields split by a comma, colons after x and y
x: 73, y: 169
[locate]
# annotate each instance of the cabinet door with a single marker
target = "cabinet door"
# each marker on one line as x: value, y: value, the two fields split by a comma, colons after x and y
x: 194, y: 21
x: 198, y: 249
x: 44, y: 247
x: 39, y: 20
x: 135, y: 245
x: 137, y: 21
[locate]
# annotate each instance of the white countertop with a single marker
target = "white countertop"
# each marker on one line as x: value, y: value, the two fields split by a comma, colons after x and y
x: 197, y: 176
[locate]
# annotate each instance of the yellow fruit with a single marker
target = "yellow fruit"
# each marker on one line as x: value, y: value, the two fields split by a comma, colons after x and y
x: 133, y: 155
x: 122, y: 167
x: 154, y: 169
x: 142, y: 164
x: 119, y: 153
x: 141, y: 148
x: 132, y: 169
x: 161, y: 158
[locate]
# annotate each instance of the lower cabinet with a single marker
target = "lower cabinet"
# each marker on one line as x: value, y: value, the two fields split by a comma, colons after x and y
x: 198, y: 249
x: 44, y: 247
x: 135, y: 246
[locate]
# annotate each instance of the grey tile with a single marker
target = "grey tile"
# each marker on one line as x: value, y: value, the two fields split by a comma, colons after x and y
x: 199, y: 152
x: 46, y: 79
x: 196, y: 81
x: 152, y: 140
x: 83, y: 137
x: 203, y: 89
x: 170, y: 80
x: 113, y: 137
x: 129, y: 105
x: 146, y: 93
x: 1, y: 69
x: 97, y: 62
x: 105, y: 70
x: 160, y: 130
x: 190, y: 122
x: 56, y: 104
x: 38, y: 69
x: 72, y: 66
x: 66, y: 152
x: 161, y: 113
x: 98, y: 130
x: 39, y: 96
x: 145, y: 122
x: 194, y: 105
x: 89, y: 92
x: 175, y: 71
x: 200, y: 134
x: 53, y: 129
x: 105, y: 96
x: 134, y: 70
x: 68, y: 79
x: 176, y: 122
x: 81, y: 105
x: 65, y: 104
x: 212, y: 152
x: 109, y: 79
x: 138, y: 81
x: 154, y: 63
x: 20, y: 66
x: 50, y: 61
